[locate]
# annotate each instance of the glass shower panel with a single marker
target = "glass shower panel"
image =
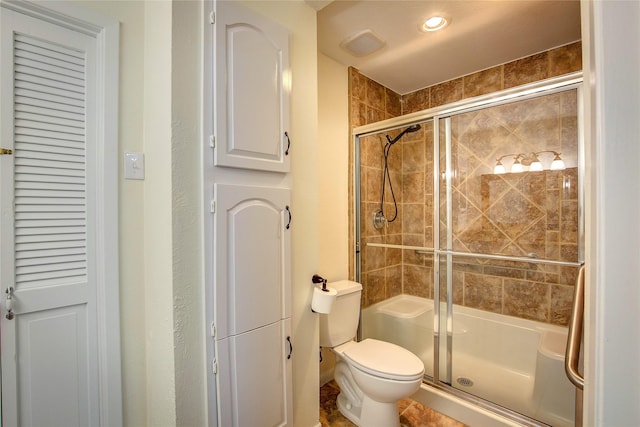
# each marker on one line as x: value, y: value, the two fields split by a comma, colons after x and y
x: 394, y: 178
x: 509, y: 245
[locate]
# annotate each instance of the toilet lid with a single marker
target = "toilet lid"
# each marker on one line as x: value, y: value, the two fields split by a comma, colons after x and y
x: 385, y: 360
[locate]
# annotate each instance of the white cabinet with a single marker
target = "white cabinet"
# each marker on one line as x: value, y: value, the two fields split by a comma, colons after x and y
x: 249, y: 238
x: 252, y: 83
x: 252, y: 311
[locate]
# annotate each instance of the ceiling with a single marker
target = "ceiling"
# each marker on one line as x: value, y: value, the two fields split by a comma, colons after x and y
x: 481, y: 34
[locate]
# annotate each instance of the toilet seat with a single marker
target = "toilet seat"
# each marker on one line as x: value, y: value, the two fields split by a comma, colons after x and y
x: 385, y: 360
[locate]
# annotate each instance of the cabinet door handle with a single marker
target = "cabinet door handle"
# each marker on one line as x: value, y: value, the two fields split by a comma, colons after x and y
x: 288, y: 212
x: 290, y: 348
x: 286, y: 152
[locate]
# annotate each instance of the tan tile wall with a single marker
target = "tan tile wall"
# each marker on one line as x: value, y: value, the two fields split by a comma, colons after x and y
x: 540, y: 293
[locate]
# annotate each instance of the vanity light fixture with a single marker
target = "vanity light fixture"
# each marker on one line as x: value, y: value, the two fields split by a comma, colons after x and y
x: 532, y: 160
x: 516, y: 167
x: 558, y: 163
x: 499, y: 168
x: 535, y: 165
x: 435, y: 23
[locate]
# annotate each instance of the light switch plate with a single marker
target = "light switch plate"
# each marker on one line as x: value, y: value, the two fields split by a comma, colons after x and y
x: 133, y: 166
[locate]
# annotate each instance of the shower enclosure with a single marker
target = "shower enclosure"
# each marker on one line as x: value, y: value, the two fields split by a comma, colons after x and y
x: 469, y: 235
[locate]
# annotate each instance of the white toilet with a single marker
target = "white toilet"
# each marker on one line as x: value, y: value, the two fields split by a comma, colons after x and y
x: 373, y: 375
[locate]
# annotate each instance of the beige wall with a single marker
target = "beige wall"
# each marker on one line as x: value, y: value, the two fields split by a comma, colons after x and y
x: 333, y: 163
x: 333, y: 158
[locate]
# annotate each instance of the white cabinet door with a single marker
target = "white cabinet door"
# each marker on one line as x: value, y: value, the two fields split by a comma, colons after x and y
x: 254, y: 377
x: 251, y: 257
x: 252, y: 82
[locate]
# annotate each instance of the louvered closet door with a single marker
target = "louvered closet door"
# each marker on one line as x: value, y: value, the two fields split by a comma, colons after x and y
x: 49, y: 347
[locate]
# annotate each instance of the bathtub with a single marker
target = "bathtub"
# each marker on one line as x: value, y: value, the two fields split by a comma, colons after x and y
x: 513, y: 362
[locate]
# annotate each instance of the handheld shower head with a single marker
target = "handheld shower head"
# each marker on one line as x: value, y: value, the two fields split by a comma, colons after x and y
x: 410, y: 129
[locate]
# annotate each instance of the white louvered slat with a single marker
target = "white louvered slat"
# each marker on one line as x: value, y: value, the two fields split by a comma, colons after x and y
x: 26, y: 107
x: 49, y: 143
x: 26, y: 96
x: 56, y: 126
x: 53, y: 160
x: 48, y: 74
x: 58, y: 276
x: 44, y: 166
x: 27, y: 128
x: 50, y: 230
x: 49, y: 120
x: 38, y: 185
x: 57, y: 252
x: 55, y: 71
x: 39, y: 86
x: 54, y: 146
x: 75, y: 69
x: 49, y: 161
x: 48, y: 84
x: 52, y: 179
x: 57, y: 259
x: 48, y: 239
x: 48, y: 51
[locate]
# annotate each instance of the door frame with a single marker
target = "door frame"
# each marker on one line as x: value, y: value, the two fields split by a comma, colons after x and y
x: 106, y: 32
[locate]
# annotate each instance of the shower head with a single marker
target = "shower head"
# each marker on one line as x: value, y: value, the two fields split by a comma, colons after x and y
x: 412, y: 128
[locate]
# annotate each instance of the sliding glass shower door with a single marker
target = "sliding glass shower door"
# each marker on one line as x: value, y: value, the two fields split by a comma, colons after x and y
x: 509, y: 246
x: 469, y: 239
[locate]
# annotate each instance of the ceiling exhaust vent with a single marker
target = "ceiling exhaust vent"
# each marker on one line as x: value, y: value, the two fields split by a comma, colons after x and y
x: 362, y: 43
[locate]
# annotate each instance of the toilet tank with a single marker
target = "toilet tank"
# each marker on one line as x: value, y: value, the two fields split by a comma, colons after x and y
x: 341, y: 324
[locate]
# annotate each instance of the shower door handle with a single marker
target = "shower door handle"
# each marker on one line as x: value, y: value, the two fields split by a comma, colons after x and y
x: 572, y: 355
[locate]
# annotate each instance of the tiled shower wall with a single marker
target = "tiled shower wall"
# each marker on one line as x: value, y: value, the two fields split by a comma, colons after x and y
x: 482, y: 214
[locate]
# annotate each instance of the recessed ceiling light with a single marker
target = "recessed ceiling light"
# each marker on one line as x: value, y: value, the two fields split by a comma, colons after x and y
x: 435, y: 23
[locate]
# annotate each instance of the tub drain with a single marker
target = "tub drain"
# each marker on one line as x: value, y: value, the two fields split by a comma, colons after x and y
x: 464, y: 381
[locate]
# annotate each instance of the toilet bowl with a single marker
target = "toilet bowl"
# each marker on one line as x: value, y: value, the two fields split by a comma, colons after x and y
x: 372, y: 375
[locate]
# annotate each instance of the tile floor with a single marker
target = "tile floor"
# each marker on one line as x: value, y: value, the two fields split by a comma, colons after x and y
x: 412, y: 413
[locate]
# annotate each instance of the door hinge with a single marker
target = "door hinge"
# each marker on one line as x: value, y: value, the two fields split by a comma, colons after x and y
x: 212, y: 141
x: 212, y: 17
x: 214, y: 366
x: 213, y: 329
x: 213, y: 206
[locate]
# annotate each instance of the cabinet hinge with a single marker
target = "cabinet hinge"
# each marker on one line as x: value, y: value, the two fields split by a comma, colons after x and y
x: 214, y: 366
x: 213, y: 206
x: 212, y: 17
x: 213, y: 329
x: 212, y: 141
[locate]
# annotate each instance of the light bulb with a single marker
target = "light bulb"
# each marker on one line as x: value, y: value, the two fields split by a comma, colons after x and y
x: 557, y: 164
x: 435, y: 23
x: 516, y: 167
x: 499, y: 169
x: 535, y: 166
